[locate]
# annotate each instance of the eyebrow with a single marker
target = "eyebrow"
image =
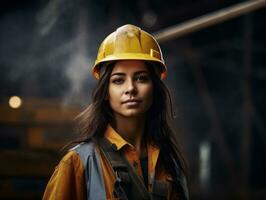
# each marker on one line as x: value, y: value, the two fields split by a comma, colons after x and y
x: 123, y: 74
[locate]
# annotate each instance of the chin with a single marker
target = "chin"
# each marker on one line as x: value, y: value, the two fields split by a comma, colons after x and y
x: 132, y: 113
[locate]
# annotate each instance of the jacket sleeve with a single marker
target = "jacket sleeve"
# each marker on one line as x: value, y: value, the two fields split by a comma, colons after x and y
x: 68, y: 180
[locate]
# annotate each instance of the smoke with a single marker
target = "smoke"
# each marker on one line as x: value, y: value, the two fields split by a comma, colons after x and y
x: 49, y: 16
x: 78, y: 72
x: 44, y: 52
x: 79, y: 66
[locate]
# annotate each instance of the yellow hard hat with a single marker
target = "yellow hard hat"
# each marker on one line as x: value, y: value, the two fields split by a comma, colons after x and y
x: 129, y: 42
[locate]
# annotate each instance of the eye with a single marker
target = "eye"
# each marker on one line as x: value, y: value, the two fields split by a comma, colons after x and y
x: 142, y: 78
x: 117, y: 81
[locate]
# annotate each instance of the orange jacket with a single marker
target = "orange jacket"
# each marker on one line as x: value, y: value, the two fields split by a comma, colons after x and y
x: 68, y: 181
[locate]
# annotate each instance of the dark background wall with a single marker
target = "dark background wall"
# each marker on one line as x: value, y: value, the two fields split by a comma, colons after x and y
x: 217, y: 77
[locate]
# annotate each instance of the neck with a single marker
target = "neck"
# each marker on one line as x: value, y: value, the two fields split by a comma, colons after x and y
x: 131, y: 129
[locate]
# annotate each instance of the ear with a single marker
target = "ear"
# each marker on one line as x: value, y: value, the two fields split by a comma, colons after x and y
x: 106, y: 98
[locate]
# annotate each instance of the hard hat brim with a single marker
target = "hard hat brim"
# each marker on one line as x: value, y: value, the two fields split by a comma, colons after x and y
x: 128, y: 56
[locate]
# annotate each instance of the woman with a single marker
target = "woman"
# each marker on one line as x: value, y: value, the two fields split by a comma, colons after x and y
x: 128, y: 149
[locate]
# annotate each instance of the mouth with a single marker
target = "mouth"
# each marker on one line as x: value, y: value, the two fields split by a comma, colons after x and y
x: 131, y: 102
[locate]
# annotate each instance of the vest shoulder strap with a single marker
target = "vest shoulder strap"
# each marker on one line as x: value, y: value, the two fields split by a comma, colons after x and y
x: 93, y: 172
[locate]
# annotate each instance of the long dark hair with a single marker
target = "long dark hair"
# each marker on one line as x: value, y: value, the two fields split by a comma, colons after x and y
x: 92, y: 122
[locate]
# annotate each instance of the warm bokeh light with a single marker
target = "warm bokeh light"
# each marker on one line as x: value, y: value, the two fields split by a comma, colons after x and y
x: 15, y: 102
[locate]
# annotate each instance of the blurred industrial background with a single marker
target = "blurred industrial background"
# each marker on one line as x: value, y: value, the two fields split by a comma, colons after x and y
x: 217, y: 76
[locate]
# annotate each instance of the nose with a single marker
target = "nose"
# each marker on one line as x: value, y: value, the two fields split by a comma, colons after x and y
x: 130, y: 88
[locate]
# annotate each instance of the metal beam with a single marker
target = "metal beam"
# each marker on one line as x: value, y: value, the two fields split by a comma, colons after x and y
x: 208, y: 20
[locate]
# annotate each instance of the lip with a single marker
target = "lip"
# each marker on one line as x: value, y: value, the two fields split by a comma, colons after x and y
x: 131, y: 101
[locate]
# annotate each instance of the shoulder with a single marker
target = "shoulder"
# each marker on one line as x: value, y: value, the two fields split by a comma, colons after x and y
x: 75, y: 157
x: 68, y: 180
x: 84, y: 151
x: 70, y: 158
x: 70, y: 163
x: 87, y: 147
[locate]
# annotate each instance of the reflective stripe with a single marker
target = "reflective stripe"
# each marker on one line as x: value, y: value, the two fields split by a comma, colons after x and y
x: 93, y: 171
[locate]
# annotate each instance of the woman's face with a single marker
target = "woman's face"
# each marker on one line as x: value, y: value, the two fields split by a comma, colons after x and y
x: 130, y: 91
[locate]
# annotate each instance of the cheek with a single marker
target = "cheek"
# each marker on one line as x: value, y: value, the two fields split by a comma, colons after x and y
x: 113, y: 95
x: 148, y: 93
